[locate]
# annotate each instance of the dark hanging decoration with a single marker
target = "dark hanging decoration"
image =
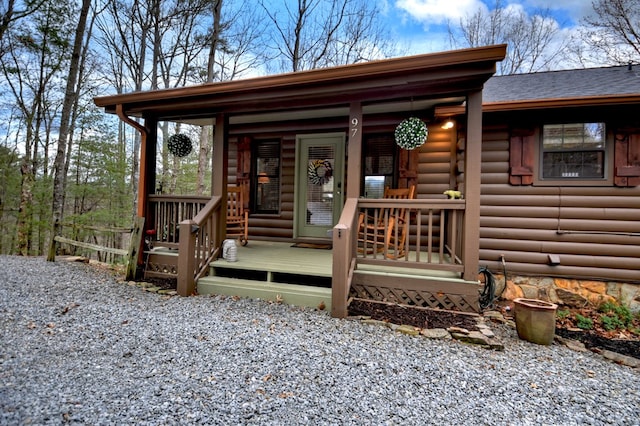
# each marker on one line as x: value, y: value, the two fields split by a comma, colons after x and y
x: 180, y: 145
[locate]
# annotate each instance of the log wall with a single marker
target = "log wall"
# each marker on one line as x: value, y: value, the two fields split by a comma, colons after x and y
x: 593, y: 231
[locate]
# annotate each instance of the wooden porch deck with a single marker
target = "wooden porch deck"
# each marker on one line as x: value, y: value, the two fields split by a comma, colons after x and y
x: 298, y: 276
x: 273, y: 271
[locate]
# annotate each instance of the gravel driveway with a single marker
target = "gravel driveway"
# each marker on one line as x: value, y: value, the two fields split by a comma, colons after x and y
x: 79, y: 347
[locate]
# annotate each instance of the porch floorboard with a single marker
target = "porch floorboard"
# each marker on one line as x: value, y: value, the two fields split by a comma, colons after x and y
x: 279, y: 257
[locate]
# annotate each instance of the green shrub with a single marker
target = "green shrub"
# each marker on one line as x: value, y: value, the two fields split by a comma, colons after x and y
x: 562, y: 314
x: 611, y: 322
x: 584, y: 322
x: 621, y: 313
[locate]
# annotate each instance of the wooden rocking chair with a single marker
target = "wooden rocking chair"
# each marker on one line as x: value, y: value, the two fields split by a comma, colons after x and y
x: 237, y: 216
x: 386, y: 230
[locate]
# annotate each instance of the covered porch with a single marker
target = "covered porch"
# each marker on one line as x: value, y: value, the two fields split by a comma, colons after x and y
x: 345, y: 105
x: 429, y: 273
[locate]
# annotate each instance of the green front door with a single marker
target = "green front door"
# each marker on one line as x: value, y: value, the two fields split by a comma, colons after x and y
x: 319, y: 184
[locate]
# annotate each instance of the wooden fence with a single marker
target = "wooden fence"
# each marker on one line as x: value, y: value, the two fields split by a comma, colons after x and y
x: 131, y: 253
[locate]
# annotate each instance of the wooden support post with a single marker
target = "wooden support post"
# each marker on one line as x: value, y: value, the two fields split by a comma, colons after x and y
x: 219, y: 177
x: 187, y: 259
x: 134, y: 248
x: 472, y: 177
x: 354, y: 153
x: 340, y: 271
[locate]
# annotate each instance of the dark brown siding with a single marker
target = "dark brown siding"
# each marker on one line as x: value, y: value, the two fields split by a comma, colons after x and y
x: 434, y: 165
x: 595, y: 231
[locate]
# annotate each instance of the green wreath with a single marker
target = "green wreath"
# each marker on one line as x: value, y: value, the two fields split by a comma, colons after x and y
x: 179, y: 145
x: 319, y: 171
x: 411, y: 133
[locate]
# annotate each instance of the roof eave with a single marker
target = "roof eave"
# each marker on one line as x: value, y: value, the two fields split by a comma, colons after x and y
x: 537, y: 104
x: 335, y: 75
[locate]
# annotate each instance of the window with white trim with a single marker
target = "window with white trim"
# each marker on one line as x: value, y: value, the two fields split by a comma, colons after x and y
x: 574, y: 151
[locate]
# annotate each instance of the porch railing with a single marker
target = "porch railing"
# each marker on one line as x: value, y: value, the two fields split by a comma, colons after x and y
x: 428, y: 234
x: 166, y: 212
x: 433, y: 239
x: 200, y: 240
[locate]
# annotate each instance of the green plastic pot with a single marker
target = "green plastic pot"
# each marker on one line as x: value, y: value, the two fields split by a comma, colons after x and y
x: 535, y: 320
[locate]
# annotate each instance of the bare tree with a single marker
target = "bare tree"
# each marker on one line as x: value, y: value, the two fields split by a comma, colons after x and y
x: 72, y: 93
x: 233, y: 49
x: 613, y: 32
x: 310, y: 34
x: 125, y: 28
x: 533, y: 42
x: 10, y: 13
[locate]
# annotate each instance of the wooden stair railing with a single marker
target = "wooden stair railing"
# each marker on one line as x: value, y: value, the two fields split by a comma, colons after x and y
x: 345, y: 246
x: 200, y: 241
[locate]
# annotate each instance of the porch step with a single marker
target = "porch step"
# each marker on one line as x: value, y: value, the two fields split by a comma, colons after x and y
x: 292, y: 294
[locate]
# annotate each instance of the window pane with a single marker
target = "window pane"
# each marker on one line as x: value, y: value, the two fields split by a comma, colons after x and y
x: 266, y: 179
x: 594, y: 135
x: 552, y: 136
x: 560, y: 165
x: 573, y: 151
x: 374, y: 186
x: 379, y: 164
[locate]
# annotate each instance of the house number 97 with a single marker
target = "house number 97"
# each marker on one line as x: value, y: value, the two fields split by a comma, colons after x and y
x: 354, y: 126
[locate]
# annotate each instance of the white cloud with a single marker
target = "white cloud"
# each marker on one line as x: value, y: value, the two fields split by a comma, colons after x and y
x: 438, y: 11
x: 575, y: 10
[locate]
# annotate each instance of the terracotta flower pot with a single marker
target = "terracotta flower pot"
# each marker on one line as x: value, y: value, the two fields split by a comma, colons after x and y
x: 535, y: 320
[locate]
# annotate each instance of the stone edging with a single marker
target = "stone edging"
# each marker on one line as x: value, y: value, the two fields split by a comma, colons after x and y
x: 484, y: 337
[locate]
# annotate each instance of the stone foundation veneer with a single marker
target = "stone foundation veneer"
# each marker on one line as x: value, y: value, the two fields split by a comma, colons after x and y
x: 570, y: 292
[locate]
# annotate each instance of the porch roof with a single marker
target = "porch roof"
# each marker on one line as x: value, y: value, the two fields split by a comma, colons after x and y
x: 618, y: 85
x: 443, y: 75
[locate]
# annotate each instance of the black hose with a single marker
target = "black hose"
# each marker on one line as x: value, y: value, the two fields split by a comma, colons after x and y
x: 488, y: 294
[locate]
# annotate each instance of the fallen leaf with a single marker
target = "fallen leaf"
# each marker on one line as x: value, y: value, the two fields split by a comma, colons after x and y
x: 285, y: 394
x: 69, y: 307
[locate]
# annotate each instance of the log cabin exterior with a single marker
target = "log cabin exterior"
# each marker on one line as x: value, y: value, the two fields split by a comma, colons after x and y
x: 545, y: 211
x: 270, y: 130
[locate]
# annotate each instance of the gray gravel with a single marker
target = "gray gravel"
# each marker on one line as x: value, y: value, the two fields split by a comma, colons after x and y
x: 77, y: 346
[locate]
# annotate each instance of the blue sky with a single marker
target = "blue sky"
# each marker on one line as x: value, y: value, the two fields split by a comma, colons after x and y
x: 421, y: 24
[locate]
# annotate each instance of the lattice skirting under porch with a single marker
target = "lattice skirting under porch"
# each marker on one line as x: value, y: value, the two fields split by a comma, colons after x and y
x: 454, y: 296
x: 161, y: 265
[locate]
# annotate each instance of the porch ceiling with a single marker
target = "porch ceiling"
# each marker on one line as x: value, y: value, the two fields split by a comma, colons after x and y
x: 383, y: 86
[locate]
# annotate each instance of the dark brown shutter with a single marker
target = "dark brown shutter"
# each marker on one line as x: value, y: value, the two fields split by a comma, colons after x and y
x: 408, y: 168
x: 521, y: 156
x: 243, y: 169
x: 627, y: 159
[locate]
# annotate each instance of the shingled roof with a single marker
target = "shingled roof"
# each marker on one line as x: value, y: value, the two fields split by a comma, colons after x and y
x: 564, y: 84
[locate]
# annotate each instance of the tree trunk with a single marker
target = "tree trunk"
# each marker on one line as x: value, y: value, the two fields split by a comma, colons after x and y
x: 24, y: 210
x: 70, y: 97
